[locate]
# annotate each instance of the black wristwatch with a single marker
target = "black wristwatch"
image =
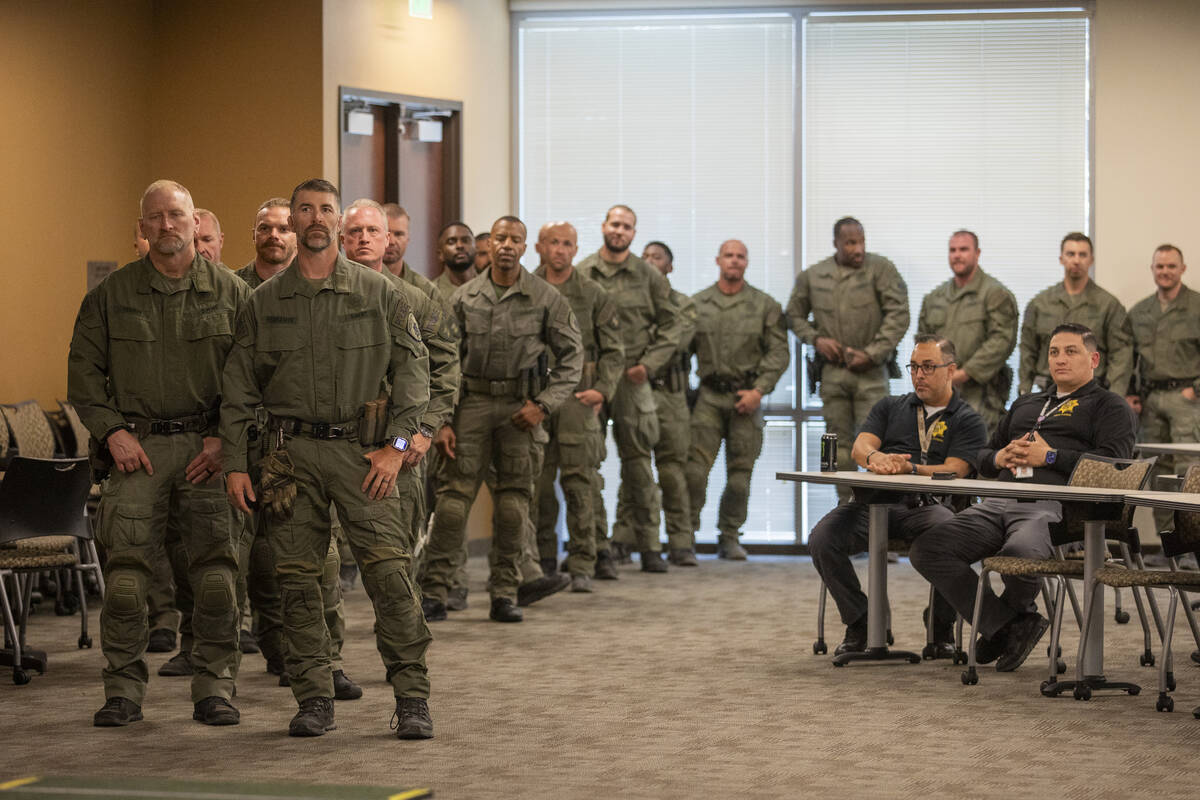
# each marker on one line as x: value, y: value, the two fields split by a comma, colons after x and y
x: 1051, y: 457
x: 545, y: 409
x: 425, y: 430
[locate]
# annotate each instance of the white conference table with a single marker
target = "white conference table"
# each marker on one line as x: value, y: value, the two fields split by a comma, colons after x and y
x: 1169, y: 448
x: 1095, y: 550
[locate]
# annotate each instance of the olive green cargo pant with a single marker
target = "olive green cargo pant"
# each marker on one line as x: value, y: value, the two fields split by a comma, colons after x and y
x: 485, y: 437
x: 1168, y: 416
x: 635, y: 426
x: 847, y: 397
x: 714, y: 420
x: 332, y: 473
x: 574, y: 431
x: 671, y: 495
x: 989, y: 405
x: 432, y: 465
x: 135, y: 509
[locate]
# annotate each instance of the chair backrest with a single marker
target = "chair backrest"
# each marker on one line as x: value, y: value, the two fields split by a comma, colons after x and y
x: 1186, y: 536
x: 77, y: 427
x: 1101, y: 472
x: 45, y: 497
x: 30, y: 429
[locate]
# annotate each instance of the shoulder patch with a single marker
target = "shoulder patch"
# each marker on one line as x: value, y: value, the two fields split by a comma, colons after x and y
x: 414, y: 330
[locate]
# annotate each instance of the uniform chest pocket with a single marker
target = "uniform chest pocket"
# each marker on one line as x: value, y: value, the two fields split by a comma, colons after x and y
x: 526, y: 324
x: 202, y: 326
x: 279, y: 339
x: 935, y: 319
x: 132, y: 327
x: 354, y: 335
x: 477, y: 322
x: 821, y: 298
x: 632, y: 297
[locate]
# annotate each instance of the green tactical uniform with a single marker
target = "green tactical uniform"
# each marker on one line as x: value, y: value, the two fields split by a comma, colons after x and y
x: 1093, y: 307
x: 257, y: 586
x: 147, y: 352
x: 1167, y: 343
x: 740, y: 343
x: 651, y: 328
x: 311, y: 354
x: 576, y: 439
x: 445, y: 289
x: 503, y: 340
x: 669, y: 387
x: 865, y: 308
x: 981, y: 320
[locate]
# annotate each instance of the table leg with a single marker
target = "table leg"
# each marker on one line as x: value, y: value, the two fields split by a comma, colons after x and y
x: 877, y: 604
x: 1093, y: 559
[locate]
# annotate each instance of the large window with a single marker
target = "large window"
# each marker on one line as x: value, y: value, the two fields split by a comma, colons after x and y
x: 769, y: 126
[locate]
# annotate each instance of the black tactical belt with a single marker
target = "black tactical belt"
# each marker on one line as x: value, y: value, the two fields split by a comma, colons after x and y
x: 509, y: 388
x: 196, y: 423
x: 722, y: 385
x: 314, y: 430
x: 1169, y: 385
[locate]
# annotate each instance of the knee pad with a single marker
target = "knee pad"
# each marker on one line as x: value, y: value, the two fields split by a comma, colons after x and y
x: 214, y: 595
x: 126, y: 595
x: 451, y: 512
x: 510, y: 511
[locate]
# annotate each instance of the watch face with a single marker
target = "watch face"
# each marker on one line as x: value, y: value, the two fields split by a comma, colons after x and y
x: 400, y: 443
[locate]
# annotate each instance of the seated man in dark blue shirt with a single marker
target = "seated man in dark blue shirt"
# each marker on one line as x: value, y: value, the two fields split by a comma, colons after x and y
x: 1039, y: 440
x: 929, y: 430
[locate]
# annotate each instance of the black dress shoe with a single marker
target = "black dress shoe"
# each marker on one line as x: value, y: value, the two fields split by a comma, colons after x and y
x: 275, y: 665
x: 1020, y: 637
x: 529, y: 593
x: 855, y: 640
x: 505, y: 610
x: 549, y: 565
x: 938, y: 650
x: 434, y: 610
x: 988, y: 650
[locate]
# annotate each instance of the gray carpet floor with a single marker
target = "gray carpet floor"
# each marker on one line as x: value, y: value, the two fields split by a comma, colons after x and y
x: 698, y: 683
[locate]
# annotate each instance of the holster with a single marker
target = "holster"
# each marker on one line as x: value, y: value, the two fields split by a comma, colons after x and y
x: 893, y: 367
x: 375, y: 416
x: 99, y: 459
x: 816, y: 364
x: 588, y: 377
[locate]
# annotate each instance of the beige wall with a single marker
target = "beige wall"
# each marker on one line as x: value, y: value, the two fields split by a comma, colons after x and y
x: 247, y: 123
x: 462, y: 54
x: 74, y: 165
x: 1147, y: 123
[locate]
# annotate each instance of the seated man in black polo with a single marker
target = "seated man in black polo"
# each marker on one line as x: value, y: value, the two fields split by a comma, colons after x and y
x: 928, y: 430
x: 1038, y: 440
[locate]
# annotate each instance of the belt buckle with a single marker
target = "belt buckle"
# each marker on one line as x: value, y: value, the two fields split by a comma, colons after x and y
x: 336, y: 431
x: 175, y: 426
x: 320, y: 430
x: 497, y: 387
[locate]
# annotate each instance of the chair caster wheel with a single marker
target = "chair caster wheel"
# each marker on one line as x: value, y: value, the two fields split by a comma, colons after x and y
x: 1083, y: 692
x: 1122, y: 617
x: 820, y: 648
x: 20, y: 677
x: 1146, y: 659
x: 1170, y: 681
x: 1165, y: 703
x: 1047, y: 688
x: 1134, y: 691
x: 959, y: 658
x: 85, y: 641
x: 1060, y: 666
x: 970, y: 677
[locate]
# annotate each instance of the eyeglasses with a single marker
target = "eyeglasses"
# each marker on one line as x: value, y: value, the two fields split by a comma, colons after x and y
x: 928, y: 368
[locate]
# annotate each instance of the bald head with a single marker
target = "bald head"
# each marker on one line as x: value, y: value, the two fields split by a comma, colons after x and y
x: 209, y: 239
x: 732, y: 259
x: 557, y: 244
